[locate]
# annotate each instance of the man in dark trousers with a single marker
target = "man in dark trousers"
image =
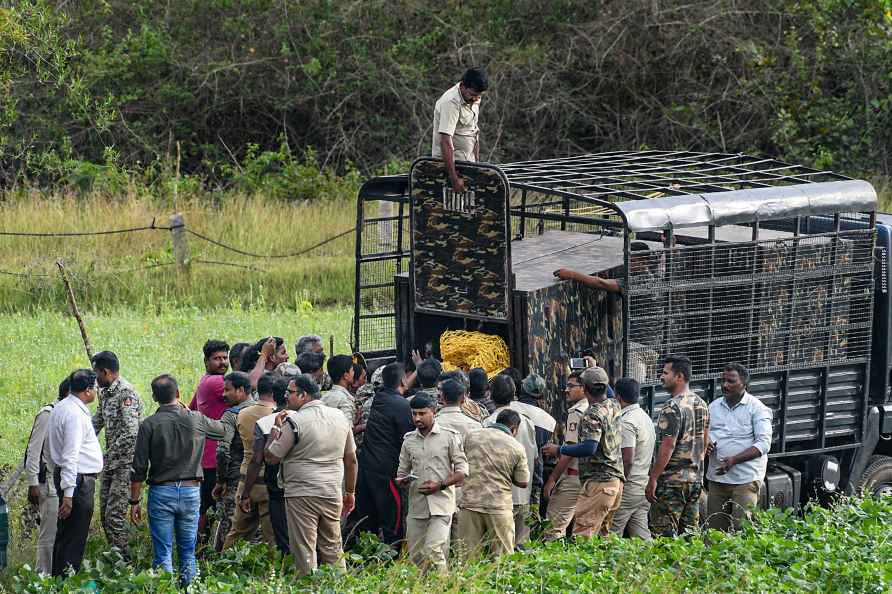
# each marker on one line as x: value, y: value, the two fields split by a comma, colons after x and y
x: 75, y: 452
x: 379, y: 504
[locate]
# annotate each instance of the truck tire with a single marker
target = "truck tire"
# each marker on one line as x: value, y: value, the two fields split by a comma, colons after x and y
x: 876, y: 479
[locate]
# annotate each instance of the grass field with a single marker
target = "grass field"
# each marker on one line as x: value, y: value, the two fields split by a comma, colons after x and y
x: 109, y: 270
x: 844, y: 549
x: 45, y: 346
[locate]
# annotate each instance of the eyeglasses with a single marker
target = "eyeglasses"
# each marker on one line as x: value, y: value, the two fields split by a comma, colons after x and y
x: 571, y: 386
x: 292, y: 391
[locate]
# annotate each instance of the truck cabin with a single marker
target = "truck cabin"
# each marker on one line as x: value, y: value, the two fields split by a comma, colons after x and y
x: 776, y: 266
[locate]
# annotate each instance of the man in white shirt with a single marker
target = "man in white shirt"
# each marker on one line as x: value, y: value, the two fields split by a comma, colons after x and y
x: 75, y: 452
x: 41, y: 493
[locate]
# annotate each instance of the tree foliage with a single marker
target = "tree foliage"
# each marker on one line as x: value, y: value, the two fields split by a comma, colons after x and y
x: 117, y: 84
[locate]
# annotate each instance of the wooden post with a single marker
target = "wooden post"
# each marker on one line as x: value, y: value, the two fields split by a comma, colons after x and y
x: 72, y: 302
x: 331, y: 351
x: 180, y: 245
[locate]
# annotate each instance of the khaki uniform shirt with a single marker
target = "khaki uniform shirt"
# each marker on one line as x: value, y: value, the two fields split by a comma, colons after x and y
x: 526, y: 436
x: 571, y: 434
x: 686, y: 418
x: 244, y: 424
x: 601, y: 424
x: 432, y: 458
x: 454, y: 418
x: 341, y: 398
x: 495, y: 461
x: 458, y: 119
x: 312, y: 446
x: 637, y: 431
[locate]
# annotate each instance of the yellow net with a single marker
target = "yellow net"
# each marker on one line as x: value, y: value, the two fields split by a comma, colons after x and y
x: 462, y: 349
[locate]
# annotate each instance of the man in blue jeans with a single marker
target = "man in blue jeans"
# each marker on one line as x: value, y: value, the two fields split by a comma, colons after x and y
x: 169, y: 447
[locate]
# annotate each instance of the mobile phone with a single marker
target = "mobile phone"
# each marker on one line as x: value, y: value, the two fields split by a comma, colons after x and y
x: 410, y: 478
x: 577, y: 363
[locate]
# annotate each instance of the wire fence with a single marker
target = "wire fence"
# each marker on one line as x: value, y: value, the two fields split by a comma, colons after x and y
x: 153, y: 226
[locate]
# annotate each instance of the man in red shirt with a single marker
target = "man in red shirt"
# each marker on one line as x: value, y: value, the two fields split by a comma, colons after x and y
x: 209, y: 401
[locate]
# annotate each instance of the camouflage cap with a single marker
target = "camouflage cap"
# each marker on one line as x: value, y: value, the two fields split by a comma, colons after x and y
x: 377, y: 379
x: 594, y: 375
x: 288, y: 370
x: 534, y: 385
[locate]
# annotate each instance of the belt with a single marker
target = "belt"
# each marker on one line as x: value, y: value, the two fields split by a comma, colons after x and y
x: 90, y: 475
x: 180, y: 483
x: 573, y: 471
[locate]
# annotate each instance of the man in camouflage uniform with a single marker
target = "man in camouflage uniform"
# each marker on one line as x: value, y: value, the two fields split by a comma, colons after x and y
x: 313, y: 344
x: 676, y: 477
x: 118, y: 411
x: 364, y: 397
x: 230, y: 452
x: 340, y: 369
x: 470, y: 408
x: 600, y: 461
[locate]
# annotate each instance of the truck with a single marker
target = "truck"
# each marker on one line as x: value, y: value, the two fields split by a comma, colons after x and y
x: 776, y: 266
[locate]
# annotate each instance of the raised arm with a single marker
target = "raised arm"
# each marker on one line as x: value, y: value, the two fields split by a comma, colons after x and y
x: 596, y: 282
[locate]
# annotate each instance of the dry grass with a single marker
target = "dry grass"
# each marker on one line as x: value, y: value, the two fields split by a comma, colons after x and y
x: 102, y: 266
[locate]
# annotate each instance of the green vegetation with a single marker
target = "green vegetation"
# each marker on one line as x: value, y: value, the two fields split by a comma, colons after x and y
x: 137, y: 269
x: 96, y: 90
x: 843, y: 549
x: 43, y: 347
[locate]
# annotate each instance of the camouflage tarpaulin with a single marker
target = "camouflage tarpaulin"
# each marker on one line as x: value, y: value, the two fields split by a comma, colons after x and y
x: 460, y: 245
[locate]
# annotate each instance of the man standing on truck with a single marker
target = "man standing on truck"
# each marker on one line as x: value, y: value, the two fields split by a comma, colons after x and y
x: 740, y: 432
x: 676, y: 477
x: 456, y: 136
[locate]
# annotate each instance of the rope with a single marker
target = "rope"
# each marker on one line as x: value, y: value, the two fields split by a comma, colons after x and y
x: 467, y: 350
x: 151, y: 227
x: 253, y: 255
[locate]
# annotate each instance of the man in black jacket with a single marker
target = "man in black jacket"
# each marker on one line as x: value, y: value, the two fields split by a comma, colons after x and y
x: 379, y: 503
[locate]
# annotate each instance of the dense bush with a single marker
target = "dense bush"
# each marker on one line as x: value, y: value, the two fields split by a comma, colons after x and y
x: 844, y: 549
x: 116, y: 83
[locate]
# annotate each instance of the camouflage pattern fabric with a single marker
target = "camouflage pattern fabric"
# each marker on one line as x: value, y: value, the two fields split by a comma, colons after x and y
x: 566, y: 318
x: 601, y: 423
x: 475, y: 410
x: 118, y: 411
x: 460, y: 243
x: 364, y: 398
x: 230, y: 449
x: 114, y: 507
x: 677, y: 508
x: 684, y: 417
x: 226, y: 511
x: 494, y: 458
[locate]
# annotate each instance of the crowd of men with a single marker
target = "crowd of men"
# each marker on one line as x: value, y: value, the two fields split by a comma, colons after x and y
x: 439, y: 463
x: 307, y: 456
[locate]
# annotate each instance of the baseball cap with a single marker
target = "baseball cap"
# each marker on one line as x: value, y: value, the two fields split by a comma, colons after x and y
x: 533, y: 385
x: 595, y: 375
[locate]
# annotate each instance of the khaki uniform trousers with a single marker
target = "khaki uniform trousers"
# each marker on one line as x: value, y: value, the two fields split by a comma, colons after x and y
x: 597, y: 503
x: 632, y: 515
x: 428, y: 540
x: 244, y: 525
x: 314, y: 524
x: 562, y: 506
x: 478, y: 530
x: 521, y: 512
x: 727, y: 505
x: 46, y: 533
